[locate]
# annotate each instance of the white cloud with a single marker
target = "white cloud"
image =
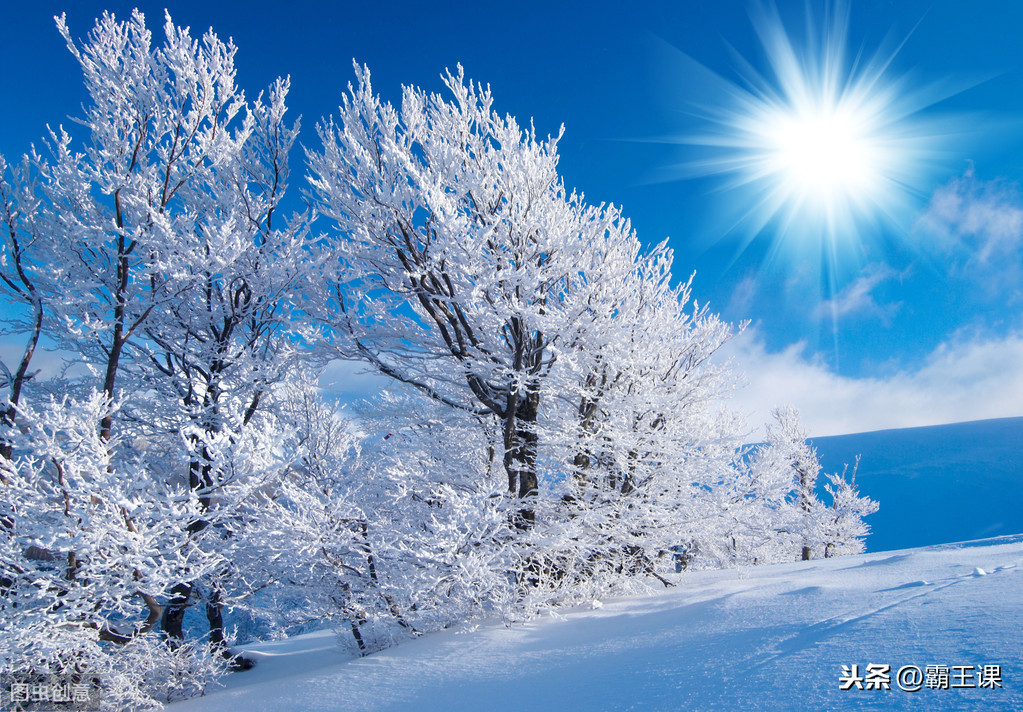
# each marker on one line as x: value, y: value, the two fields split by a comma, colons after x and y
x: 743, y: 296
x: 963, y: 379
x: 857, y: 298
x: 980, y: 225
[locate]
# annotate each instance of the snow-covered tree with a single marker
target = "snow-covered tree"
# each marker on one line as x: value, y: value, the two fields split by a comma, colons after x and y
x: 299, y: 546
x: 844, y: 528
x: 651, y: 438
x: 464, y: 267
x: 438, y: 518
x: 166, y: 128
x: 465, y: 270
x: 19, y: 267
x: 802, y: 460
x: 159, y: 256
x: 168, y: 265
x: 218, y: 349
x: 91, y: 548
x: 784, y: 471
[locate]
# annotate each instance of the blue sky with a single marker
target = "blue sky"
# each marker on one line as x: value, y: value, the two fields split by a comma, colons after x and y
x: 908, y: 320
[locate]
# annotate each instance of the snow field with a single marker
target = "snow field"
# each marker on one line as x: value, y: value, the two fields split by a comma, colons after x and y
x: 764, y: 638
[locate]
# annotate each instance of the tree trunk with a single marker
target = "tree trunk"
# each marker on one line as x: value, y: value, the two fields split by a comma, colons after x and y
x: 215, y: 617
x: 520, y: 450
x: 155, y: 610
x: 21, y: 377
x: 119, y: 338
x: 198, y: 480
x: 589, y: 408
x: 218, y: 643
x: 109, y: 380
x: 174, y: 614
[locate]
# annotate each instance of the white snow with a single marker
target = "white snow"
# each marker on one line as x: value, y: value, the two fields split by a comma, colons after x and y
x: 762, y: 638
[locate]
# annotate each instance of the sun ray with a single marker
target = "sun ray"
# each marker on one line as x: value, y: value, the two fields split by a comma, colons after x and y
x: 821, y: 149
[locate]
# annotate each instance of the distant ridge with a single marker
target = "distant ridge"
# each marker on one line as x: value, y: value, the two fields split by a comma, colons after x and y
x: 963, y: 424
x: 936, y: 484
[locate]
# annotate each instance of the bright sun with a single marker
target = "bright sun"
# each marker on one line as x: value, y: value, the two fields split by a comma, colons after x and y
x: 816, y: 149
x: 821, y: 155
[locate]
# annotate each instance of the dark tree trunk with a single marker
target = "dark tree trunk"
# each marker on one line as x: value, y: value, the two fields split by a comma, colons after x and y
x: 806, y: 486
x: 199, y: 480
x: 110, y: 379
x: 520, y: 450
x: 174, y: 614
x: 21, y: 377
x: 120, y: 334
x: 589, y: 409
x: 215, y: 617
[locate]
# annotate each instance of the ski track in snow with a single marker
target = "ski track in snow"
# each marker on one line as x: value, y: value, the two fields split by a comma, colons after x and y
x: 763, y: 638
x: 822, y: 629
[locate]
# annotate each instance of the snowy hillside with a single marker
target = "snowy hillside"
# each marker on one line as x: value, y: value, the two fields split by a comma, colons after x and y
x: 765, y: 638
x: 937, y: 484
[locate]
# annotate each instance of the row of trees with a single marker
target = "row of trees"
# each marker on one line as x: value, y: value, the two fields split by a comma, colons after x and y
x: 555, y: 430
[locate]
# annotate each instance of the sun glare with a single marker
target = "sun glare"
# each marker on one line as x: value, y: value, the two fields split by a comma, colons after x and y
x: 821, y: 155
x: 815, y: 148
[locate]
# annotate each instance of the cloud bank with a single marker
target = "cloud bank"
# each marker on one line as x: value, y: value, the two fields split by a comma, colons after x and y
x: 965, y: 378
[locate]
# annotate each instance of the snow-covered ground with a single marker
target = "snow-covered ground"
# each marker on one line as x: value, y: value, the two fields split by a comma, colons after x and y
x: 763, y: 638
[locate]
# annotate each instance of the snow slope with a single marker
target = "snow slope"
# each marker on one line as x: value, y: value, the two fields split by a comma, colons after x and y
x: 936, y: 484
x: 763, y: 638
